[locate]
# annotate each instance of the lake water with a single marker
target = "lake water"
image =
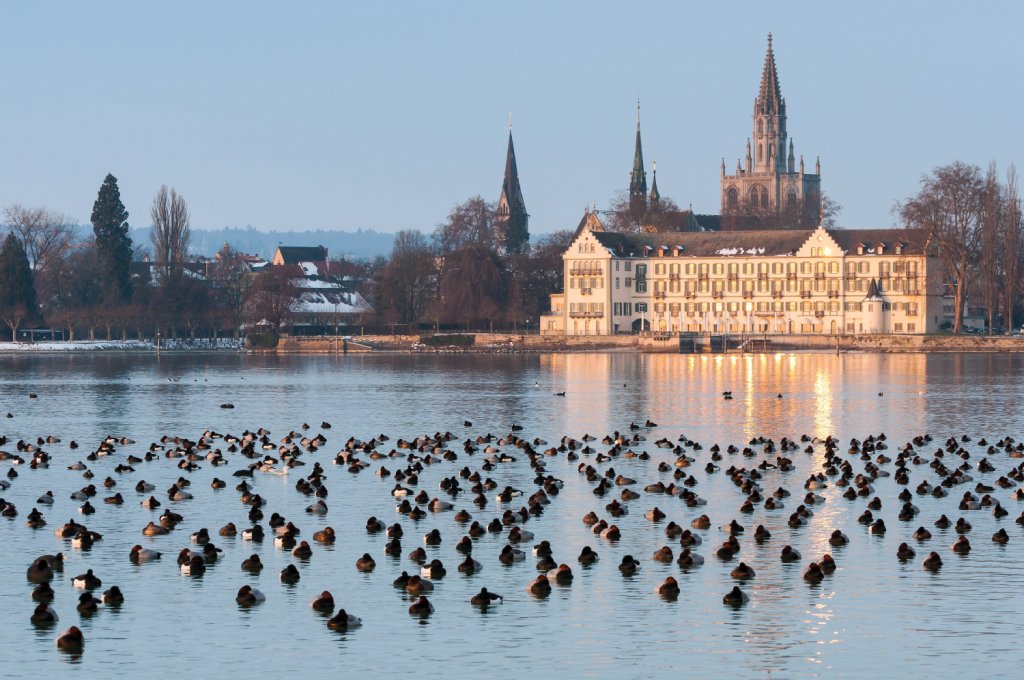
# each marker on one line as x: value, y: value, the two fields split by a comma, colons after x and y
x: 874, y: 615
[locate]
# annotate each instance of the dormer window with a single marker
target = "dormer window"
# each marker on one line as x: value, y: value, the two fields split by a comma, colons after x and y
x: 860, y: 248
x: 880, y: 248
x: 899, y: 248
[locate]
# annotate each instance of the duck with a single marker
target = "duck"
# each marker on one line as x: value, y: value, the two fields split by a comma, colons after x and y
x: 905, y: 552
x: 44, y: 615
x: 587, y: 556
x: 435, y: 570
x: 668, y: 588
x: 113, y: 596
x: 933, y: 562
x: 139, y: 554
x: 689, y: 559
x: 789, y: 554
x: 228, y: 530
x: 485, y: 598
x: 290, y: 574
x: 324, y: 602
x: 510, y: 554
x: 252, y: 564
x: 344, y: 621
x: 255, y: 534
x: 365, y: 563
x: 87, y: 604
x: 248, y: 596
x: 469, y: 565
x: 325, y: 535
x: 962, y: 546
x: 71, y: 640
x: 561, y: 575
x: 88, y: 580
x: 201, y: 537
x: 1001, y: 537
x: 153, y: 529
x: 421, y: 607
x: 838, y: 538
x: 196, y: 566
x: 629, y: 565
x: 663, y: 554
x: 539, y: 586
x: 417, y: 584
x: 742, y: 572
x: 39, y: 571
x: 813, y: 573
x: 43, y: 592
x: 302, y: 551
x: 735, y: 597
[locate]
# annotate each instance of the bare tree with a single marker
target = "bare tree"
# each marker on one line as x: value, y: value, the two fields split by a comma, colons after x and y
x: 171, y: 230
x: 47, y: 238
x: 633, y: 216
x: 408, y: 283
x: 949, y: 207
x: 990, y: 264
x: 1013, y: 246
x: 470, y: 223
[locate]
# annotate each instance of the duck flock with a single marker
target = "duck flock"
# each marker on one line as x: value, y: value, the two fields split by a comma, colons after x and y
x: 464, y: 484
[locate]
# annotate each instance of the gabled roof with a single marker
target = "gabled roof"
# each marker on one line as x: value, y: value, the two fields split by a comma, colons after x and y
x: 709, y: 244
x: 296, y: 254
x: 912, y: 241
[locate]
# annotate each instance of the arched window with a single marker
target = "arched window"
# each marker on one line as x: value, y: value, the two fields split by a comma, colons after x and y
x: 791, y: 198
x: 764, y: 198
x: 732, y: 198
x: 753, y: 197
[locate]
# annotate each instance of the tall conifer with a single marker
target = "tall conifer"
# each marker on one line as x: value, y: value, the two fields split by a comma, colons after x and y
x: 113, y: 245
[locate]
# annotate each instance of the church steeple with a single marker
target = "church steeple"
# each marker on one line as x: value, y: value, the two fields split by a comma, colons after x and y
x: 655, y: 196
x: 770, y: 119
x: 511, y: 217
x: 638, y: 177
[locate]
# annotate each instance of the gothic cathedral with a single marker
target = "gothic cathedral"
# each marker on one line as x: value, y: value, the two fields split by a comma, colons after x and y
x: 770, y: 189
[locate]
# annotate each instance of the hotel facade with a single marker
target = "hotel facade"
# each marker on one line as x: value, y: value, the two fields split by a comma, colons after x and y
x: 816, y: 281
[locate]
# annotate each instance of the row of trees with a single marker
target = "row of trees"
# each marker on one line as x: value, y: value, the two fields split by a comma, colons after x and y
x: 974, y: 223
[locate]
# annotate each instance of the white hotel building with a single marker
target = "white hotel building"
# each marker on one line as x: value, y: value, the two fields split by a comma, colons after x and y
x: 818, y: 281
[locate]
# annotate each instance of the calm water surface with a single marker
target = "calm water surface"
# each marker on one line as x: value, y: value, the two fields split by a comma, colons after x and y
x: 874, y: 615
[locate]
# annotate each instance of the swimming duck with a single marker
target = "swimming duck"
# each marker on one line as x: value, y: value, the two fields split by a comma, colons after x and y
x: 323, y: 603
x: 43, y: 615
x: 435, y: 570
x: 735, y: 597
x: 365, y: 563
x: 813, y: 573
x: 421, y: 607
x: 43, y: 592
x: 87, y: 604
x: 509, y: 555
x: 252, y: 564
x: 196, y: 566
x: 228, y: 530
x: 587, y: 556
x: 962, y: 546
x: 1001, y: 537
x: 742, y: 572
x: 789, y: 554
x: 344, y: 621
x: 539, y: 586
x: 302, y: 551
x: 629, y: 565
x: 248, y: 596
x: 561, y: 575
x: 905, y: 552
x: 469, y: 565
x: 139, y: 554
x: 933, y: 562
x: 668, y: 588
x: 113, y: 596
x: 88, y: 580
x: 485, y: 598
x: 71, y: 641
x: 290, y: 574
x: 39, y: 571
x: 152, y: 529
x: 325, y: 535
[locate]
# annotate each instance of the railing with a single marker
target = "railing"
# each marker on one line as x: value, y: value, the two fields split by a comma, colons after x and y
x: 819, y: 275
x: 716, y: 294
x: 733, y: 276
x: 690, y: 295
x: 805, y: 294
x: 586, y: 315
x: 659, y: 295
x: 586, y: 291
x: 762, y: 276
x: 703, y: 276
x: 833, y: 294
x: 777, y: 294
x: 748, y: 295
x: 673, y: 277
x: 820, y: 314
x: 791, y: 276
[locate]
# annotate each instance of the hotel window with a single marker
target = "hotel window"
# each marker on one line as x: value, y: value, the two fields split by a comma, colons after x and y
x: 791, y: 306
x: 863, y: 267
x: 691, y: 269
x: 628, y: 266
x: 733, y: 306
x: 629, y: 282
x: 616, y: 265
x: 641, y: 285
x: 911, y: 328
x: 748, y: 267
x: 734, y: 268
x: 898, y: 327
x: 627, y: 308
x: 616, y: 283
x: 717, y: 269
x: 833, y: 267
x: 851, y: 327
x: 806, y: 268
x: 762, y: 306
x: 791, y: 267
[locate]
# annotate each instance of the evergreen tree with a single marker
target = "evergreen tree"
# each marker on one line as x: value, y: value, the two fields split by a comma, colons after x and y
x: 17, y: 294
x: 517, y: 235
x: 113, y: 245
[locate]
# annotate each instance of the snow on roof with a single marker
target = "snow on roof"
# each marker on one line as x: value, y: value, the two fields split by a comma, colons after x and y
x: 329, y: 302
x: 740, y: 251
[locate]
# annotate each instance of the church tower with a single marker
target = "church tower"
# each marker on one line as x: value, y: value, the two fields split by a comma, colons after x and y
x: 768, y: 189
x: 638, y: 177
x: 511, y: 220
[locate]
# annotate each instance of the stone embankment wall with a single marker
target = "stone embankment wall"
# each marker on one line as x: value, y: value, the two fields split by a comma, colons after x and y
x: 500, y: 342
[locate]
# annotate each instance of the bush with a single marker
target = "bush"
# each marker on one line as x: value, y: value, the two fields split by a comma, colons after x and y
x: 454, y: 340
x: 262, y: 340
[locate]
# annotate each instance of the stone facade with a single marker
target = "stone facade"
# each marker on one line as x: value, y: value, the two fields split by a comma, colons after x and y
x: 770, y: 182
x: 813, y: 281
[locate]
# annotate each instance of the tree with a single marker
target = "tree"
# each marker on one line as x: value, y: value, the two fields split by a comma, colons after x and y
x: 171, y: 231
x: 1013, y: 247
x: 538, y: 274
x: 949, y: 208
x: 516, y: 231
x: 17, y: 294
x: 47, y: 237
x: 745, y: 216
x: 474, y: 286
x: 633, y: 216
x: 470, y: 223
x: 408, y: 283
x: 113, y: 245
x: 990, y: 265
x: 270, y: 298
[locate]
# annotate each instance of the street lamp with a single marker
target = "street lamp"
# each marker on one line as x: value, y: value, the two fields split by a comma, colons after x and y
x: 750, y: 308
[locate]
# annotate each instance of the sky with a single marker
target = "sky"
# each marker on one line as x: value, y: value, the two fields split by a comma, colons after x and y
x: 345, y: 115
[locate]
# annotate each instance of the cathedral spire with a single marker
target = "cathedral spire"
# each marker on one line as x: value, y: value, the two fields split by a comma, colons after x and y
x: 638, y: 177
x: 769, y: 98
x: 655, y: 196
x: 511, y: 216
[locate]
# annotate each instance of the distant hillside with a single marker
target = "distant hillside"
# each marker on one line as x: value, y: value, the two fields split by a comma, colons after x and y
x: 359, y: 244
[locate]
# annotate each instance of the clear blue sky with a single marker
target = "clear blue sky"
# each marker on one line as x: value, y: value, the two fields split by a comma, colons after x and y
x: 383, y: 115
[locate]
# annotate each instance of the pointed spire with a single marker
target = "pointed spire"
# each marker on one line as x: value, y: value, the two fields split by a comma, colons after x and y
x: 817, y: 165
x: 655, y: 196
x: 769, y: 99
x: 638, y: 177
x: 511, y: 216
x: 792, y: 159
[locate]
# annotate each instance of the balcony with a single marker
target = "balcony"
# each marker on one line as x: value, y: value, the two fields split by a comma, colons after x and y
x: 580, y: 270
x: 733, y: 276
x: 777, y: 294
x: 586, y: 291
x: 820, y: 314
x: 762, y: 276
x: 834, y: 294
x: 586, y: 315
x: 791, y: 276
x: 806, y: 294
x: 703, y: 276
x: 673, y: 277
x: 884, y: 275
x: 716, y: 294
x: 659, y: 295
x: 820, y: 276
